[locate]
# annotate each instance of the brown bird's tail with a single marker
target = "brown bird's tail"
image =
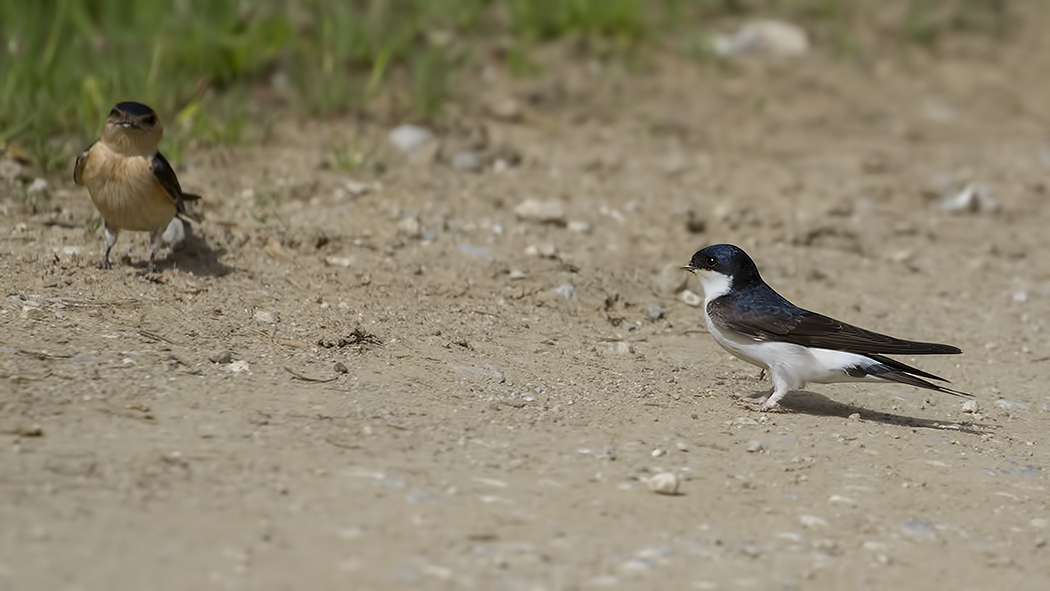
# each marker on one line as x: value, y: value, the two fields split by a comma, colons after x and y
x: 185, y: 215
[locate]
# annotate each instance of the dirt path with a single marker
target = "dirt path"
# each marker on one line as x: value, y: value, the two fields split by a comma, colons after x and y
x: 510, y: 385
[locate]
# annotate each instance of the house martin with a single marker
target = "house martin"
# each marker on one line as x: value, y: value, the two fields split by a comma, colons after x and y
x: 753, y: 322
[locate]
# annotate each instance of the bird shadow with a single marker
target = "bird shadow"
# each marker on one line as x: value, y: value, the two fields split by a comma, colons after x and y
x: 811, y: 403
x: 198, y: 257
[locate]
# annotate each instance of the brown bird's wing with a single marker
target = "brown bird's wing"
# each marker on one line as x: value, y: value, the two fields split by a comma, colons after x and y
x: 772, y: 320
x: 78, y: 168
x: 165, y: 175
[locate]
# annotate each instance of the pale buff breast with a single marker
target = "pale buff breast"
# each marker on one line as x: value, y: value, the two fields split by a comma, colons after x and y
x: 125, y: 191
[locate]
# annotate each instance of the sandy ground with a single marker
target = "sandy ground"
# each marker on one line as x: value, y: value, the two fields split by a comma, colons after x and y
x: 509, y: 386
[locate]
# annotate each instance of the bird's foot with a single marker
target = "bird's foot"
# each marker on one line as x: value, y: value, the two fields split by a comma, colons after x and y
x: 767, y: 406
x: 105, y: 264
x: 759, y: 402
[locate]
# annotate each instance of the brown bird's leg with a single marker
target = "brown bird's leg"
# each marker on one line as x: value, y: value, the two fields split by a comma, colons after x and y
x: 111, y: 239
x: 156, y: 239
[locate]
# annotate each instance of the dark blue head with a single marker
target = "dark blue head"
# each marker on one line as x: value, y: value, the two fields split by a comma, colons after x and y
x: 725, y: 260
x: 133, y: 109
x: 134, y: 115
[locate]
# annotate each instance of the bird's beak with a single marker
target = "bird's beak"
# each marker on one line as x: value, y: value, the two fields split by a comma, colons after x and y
x: 689, y: 268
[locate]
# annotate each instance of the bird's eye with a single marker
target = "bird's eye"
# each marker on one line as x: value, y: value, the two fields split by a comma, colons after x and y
x: 114, y: 113
x: 149, y: 120
x: 712, y: 261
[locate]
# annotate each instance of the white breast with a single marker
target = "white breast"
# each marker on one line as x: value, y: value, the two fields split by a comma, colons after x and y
x: 795, y: 364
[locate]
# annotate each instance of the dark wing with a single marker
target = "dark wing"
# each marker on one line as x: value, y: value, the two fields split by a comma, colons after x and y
x: 816, y: 330
x: 78, y: 168
x: 765, y: 315
x: 165, y: 175
x: 895, y: 371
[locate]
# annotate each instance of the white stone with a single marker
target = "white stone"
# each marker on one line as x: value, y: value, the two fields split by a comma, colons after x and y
x: 356, y: 187
x: 409, y: 226
x: 690, y: 298
x: 39, y: 187
x: 544, y: 212
x: 545, y: 250
x: 763, y: 38
x: 410, y: 138
x: 664, y: 483
x: 566, y: 291
x: 973, y: 198
x: 812, y: 521
x: 580, y: 227
x: 69, y: 251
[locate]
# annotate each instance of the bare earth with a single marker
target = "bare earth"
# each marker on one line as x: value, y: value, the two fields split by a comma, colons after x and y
x: 503, y: 407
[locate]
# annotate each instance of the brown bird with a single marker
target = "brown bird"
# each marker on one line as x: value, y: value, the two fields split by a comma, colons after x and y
x: 130, y: 182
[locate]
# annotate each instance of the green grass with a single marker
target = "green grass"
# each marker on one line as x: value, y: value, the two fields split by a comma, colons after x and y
x: 213, y: 68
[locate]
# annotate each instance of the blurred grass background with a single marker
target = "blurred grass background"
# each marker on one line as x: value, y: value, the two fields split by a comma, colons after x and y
x: 211, y: 67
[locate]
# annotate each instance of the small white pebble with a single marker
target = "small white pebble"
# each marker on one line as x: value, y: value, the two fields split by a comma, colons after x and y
x: 754, y: 446
x: 1011, y: 405
x: 658, y: 452
x: 690, y: 298
x: 969, y: 406
x: 334, y: 261
x: 682, y: 446
x: 812, y: 521
x: 39, y: 186
x: 566, y: 291
x: 543, y: 212
x: 579, y: 227
x: 265, y: 316
x: 664, y: 483
x: 874, y: 546
x: 842, y: 500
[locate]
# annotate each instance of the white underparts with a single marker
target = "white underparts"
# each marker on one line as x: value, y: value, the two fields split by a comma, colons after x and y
x: 790, y: 366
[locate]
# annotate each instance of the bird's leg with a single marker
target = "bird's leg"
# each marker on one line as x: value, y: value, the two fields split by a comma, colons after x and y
x: 762, y: 395
x: 780, y: 389
x: 759, y: 397
x: 111, y: 239
x: 155, y: 240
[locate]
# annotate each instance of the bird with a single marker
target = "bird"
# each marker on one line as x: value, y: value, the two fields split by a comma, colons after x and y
x: 130, y: 182
x: 796, y: 346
